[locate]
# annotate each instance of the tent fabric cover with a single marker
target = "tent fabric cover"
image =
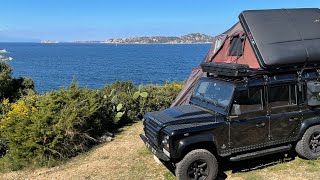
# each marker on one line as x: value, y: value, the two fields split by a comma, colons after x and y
x: 218, y: 43
x: 248, y: 57
x: 284, y: 37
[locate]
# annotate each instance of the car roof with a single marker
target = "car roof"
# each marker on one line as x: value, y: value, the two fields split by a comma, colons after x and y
x: 279, y: 78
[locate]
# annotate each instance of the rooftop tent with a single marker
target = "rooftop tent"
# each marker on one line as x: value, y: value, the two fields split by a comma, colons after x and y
x: 284, y: 37
x: 217, y: 46
x: 235, y: 49
x: 264, y: 39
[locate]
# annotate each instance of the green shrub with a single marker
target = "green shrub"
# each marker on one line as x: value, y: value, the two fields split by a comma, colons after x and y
x: 43, y: 129
x: 123, y: 94
x: 155, y: 97
x: 5, y: 80
x: 160, y: 97
x: 13, y: 88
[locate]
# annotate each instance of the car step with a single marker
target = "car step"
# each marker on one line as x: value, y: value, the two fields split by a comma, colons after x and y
x: 261, y: 153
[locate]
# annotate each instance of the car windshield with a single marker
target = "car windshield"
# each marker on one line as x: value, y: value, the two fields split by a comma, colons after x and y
x: 214, y: 92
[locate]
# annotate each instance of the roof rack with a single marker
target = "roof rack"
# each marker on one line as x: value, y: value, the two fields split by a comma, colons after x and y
x: 230, y: 69
x: 243, y: 70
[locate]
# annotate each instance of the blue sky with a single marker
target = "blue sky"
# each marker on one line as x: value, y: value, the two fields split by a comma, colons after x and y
x: 70, y: 20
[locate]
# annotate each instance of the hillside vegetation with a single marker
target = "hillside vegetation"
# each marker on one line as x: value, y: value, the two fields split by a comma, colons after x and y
x: 42, y: 130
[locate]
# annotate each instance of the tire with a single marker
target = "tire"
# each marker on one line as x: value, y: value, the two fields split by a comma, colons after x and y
x: 309, y: 146
x: 200, y: 162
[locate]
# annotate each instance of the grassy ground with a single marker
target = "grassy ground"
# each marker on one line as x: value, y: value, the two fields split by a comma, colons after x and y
x: 126, y: 158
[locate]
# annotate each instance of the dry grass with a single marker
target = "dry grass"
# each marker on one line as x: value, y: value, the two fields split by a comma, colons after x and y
x: 126, y: 158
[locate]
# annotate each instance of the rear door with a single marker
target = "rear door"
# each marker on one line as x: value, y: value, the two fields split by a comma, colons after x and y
x: 249, y: 125
x: 285, y: 116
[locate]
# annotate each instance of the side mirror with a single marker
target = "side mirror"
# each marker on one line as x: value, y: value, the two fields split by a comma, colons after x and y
x: 236, y: 110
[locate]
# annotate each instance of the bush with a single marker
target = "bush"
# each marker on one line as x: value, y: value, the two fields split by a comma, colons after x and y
x: 13, y: 88
x: 43, y: 129
x: 160, y: 97
x: 5, y: 79
x: 122, y: 93
x: 58, y: 125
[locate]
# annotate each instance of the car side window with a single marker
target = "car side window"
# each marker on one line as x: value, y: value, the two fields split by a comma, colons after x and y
x: 248, y: 100
x: 279, y: 96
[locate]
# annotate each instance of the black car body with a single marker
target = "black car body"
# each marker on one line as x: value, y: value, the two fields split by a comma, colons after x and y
x: 254, y: 116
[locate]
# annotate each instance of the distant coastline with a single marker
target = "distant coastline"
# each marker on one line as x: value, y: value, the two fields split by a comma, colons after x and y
x: 193, y: 38
x: 49, y: 42
x: 88, y: 42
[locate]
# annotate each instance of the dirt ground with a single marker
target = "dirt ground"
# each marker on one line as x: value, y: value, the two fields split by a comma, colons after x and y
x: 126, y: 158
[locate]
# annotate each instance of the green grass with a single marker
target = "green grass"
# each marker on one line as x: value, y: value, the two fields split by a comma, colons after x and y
x: 144, y: 152
x: 253, y: 176
x: 127, y: 158
x: 169, y: 176
x: 313, y: 166
x: 279, y: 167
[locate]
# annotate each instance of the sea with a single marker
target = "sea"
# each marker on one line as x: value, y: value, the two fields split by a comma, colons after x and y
x: 53, y: 66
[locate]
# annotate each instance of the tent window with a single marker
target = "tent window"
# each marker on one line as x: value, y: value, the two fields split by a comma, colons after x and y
x: 236, y: 48
x: 217, y: 44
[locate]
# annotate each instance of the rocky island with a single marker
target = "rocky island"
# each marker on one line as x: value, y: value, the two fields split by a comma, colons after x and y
x: 49, y: 42
x: 192, y: 38
x: 4, y: 58
x: 4, y: 51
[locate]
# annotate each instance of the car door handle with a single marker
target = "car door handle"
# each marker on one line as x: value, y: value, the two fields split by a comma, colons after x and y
x: 260, y: 124
x: 293, y: 119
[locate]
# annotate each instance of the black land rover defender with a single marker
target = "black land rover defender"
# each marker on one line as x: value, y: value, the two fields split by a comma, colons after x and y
x: 238, y: 118
x: 238, y: 112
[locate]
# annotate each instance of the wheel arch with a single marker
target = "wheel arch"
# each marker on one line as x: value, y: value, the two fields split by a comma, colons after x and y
x: 306, y: 124
x: 201, y: 141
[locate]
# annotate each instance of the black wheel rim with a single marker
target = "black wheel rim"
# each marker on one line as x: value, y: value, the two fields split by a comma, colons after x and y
x: 198, y: 170
x: 314, y: 142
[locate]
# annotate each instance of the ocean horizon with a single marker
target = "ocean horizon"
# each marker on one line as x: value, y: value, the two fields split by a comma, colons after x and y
x: 93, y: 65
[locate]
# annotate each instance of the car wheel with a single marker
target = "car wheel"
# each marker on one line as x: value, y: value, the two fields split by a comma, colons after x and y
x: 309, y: 146
x: 198, y: 164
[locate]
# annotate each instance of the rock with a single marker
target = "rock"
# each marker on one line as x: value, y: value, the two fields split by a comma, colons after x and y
x: 3, y: 51
x: 106, y: 137
x: 3, y: 58
x: 109, y: 134
x: 109, y: 139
